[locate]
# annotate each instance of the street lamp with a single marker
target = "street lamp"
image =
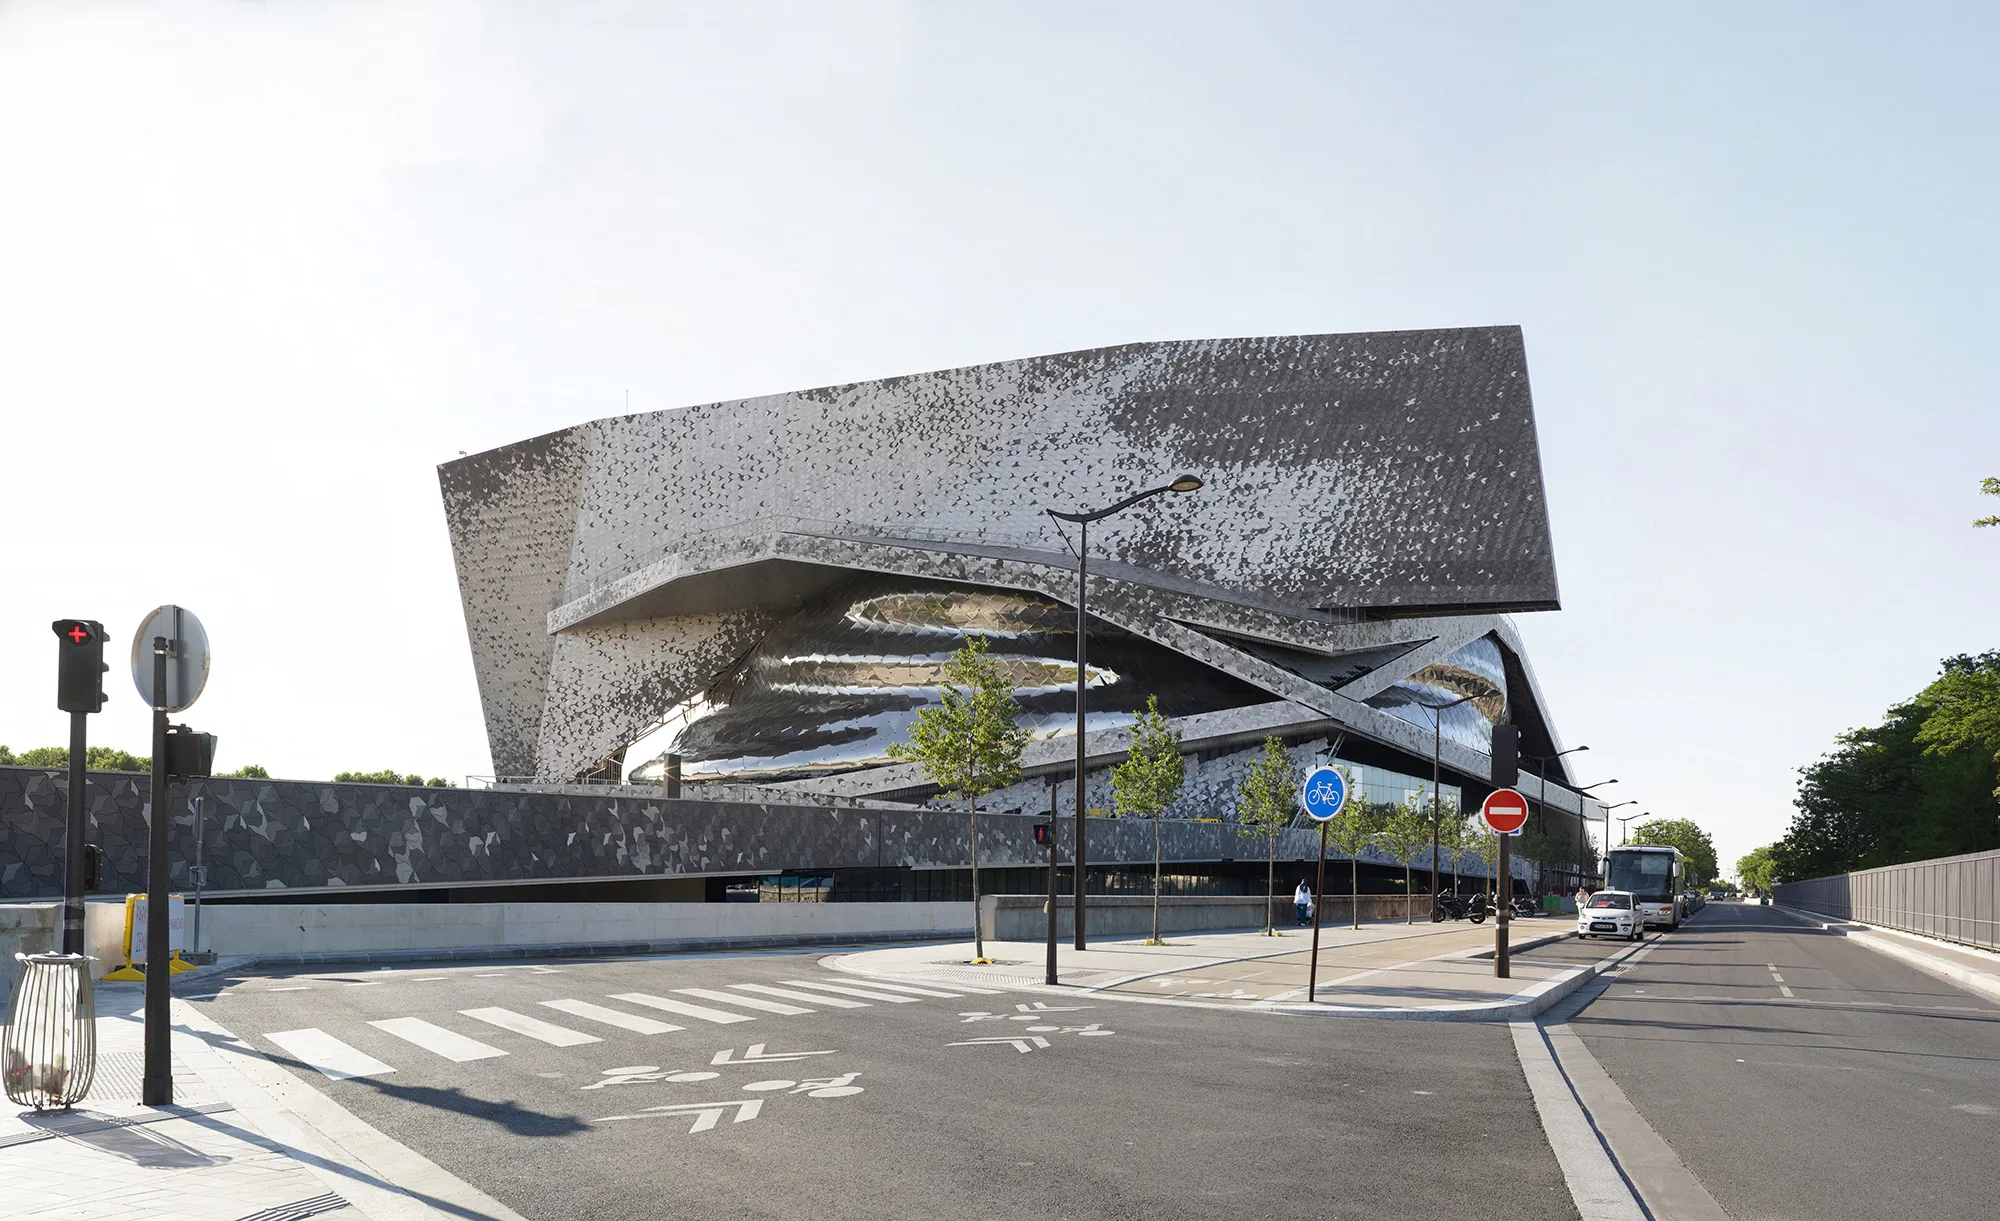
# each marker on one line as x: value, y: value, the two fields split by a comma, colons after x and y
x: 1183, y: 483
x: 1625, y: 818
x: 1584, y: 790
x: 1437, y: 746
x: 1542, y: 786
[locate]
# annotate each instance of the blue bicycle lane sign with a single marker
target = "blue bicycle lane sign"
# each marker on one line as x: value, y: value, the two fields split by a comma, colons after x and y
x: 1324, y: 793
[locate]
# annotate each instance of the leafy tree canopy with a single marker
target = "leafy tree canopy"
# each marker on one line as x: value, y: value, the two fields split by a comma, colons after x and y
x: 251, y: 771
x: 1149, y: 778
x: 1921, y: 784
x: 1757, y: 869
x: 413, y: 780
x: 1681, y: 833
x: 969, y: 743
x: 1992, y: 488
x: 95, y: 758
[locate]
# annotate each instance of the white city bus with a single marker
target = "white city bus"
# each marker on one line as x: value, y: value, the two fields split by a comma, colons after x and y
x: 1653, y: 874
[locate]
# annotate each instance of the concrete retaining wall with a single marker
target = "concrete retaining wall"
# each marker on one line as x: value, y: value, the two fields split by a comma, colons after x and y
x: 235, y: 930
x: 1025, y: 917
x: 26, y: 928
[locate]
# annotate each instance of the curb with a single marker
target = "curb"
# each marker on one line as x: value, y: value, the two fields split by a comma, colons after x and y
x: 1521, y: 1006
x: 585, y: 949
x: 1977, y: 981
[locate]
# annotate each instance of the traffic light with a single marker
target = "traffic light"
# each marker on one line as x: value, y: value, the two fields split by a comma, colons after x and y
x: 93, y: 866
x: 1506, y: 756
x: 80, y: 672
x: 190, y: 755
x: 1044, y: 833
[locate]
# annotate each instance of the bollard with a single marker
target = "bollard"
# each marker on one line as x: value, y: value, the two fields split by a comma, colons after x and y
x: 48, y: 1049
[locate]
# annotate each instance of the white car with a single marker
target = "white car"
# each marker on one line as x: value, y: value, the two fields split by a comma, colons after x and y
x: 1609, y: 913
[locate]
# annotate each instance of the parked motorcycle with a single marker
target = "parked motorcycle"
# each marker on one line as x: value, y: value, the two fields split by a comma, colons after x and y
x: 1525, y: 906
x: 1447, y: 907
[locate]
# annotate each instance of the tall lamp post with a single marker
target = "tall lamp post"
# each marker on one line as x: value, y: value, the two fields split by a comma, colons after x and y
x: 1437, y: 748
x: 1626, y: 818
x: 1183, y: 483
x: 1584, y: 791
x: 1542, y: 785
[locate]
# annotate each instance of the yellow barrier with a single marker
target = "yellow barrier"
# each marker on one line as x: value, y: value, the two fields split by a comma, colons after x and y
x: 175, y: 963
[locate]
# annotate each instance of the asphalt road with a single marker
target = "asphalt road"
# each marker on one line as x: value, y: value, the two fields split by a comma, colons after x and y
x: 1871, y: 1091
x: 1130, y: 1110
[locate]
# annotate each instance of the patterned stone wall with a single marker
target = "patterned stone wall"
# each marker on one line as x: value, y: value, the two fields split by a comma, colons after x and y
x: 262, y: 835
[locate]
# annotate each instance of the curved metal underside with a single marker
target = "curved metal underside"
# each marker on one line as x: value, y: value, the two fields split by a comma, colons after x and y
x: 835, y: 684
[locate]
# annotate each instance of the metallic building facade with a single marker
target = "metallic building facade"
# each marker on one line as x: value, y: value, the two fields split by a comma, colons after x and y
x: 768, y: 587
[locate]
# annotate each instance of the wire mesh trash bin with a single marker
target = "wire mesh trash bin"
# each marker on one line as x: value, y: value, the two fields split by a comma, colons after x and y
x: 48, y: 1050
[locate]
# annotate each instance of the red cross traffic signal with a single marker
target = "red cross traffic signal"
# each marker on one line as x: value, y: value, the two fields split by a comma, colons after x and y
x: 80, y: 667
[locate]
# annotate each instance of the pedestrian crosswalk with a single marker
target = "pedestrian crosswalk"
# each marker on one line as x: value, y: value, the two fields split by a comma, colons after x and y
x: 725, y: 1005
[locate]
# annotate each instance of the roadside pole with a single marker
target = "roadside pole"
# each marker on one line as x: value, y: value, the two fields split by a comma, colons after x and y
x: 1505, y: 812
x: 157, y: 1088
x: 1319, y: 902
x: 1324, y: 793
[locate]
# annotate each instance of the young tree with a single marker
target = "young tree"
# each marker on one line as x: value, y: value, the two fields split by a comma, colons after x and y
x: 1990, y: 487
x: 1453, y: 833
x: 1406, y: 832
x: 1267, y: 801
x: 1149, y: 780
x: 1353, y: 831
x: 1487, y: 845
x: 969, y: 744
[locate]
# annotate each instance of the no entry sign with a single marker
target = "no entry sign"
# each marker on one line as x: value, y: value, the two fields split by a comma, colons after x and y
x: 1505, y: 810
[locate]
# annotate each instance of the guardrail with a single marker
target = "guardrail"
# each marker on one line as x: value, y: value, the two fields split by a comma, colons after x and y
x: 1953, y: 898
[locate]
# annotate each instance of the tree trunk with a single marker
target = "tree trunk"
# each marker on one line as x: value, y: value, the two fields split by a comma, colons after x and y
x: 1270, y: 881
x: 1354, y: 890
x: 1409, y: 899
x: 978, y: 934
x: 1156, y: 875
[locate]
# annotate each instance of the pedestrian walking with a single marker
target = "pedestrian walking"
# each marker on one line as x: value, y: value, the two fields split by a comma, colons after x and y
x: 1582, y: 897
x: 1302, y: 898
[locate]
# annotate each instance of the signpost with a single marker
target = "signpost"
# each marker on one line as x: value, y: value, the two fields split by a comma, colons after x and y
x: 1324, y: 794
x: 169, y: 667
x: 1506, y: 812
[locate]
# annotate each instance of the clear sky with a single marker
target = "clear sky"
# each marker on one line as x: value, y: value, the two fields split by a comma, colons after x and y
x: 263, y: 266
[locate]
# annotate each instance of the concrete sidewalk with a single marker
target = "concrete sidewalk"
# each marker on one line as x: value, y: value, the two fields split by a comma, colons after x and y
x: 244, y: 1141
x: 1389, y: 970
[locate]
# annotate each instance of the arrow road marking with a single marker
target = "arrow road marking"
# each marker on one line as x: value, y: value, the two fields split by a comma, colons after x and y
x: 1020, y: 1045
x: 706, y: 1114
x: 755, y: 1055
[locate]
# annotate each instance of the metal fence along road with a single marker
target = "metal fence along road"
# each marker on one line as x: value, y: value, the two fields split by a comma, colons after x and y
x: 1956, y: 898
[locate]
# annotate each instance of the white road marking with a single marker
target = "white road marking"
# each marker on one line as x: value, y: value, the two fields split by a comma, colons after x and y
x: 329, y: 1055
x: 1596, y: 1187
x: 447, y: 1043
x: 755, y: 1054
x: 831, y: 1002
x: 710, y: 994
x: 534, y: 1028
x: 308, y: 987
x: 612, y: 1017
x: 844, y: 990
x: 680, y: 1007
x: 876, y: 983
x: 707, y: 1114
